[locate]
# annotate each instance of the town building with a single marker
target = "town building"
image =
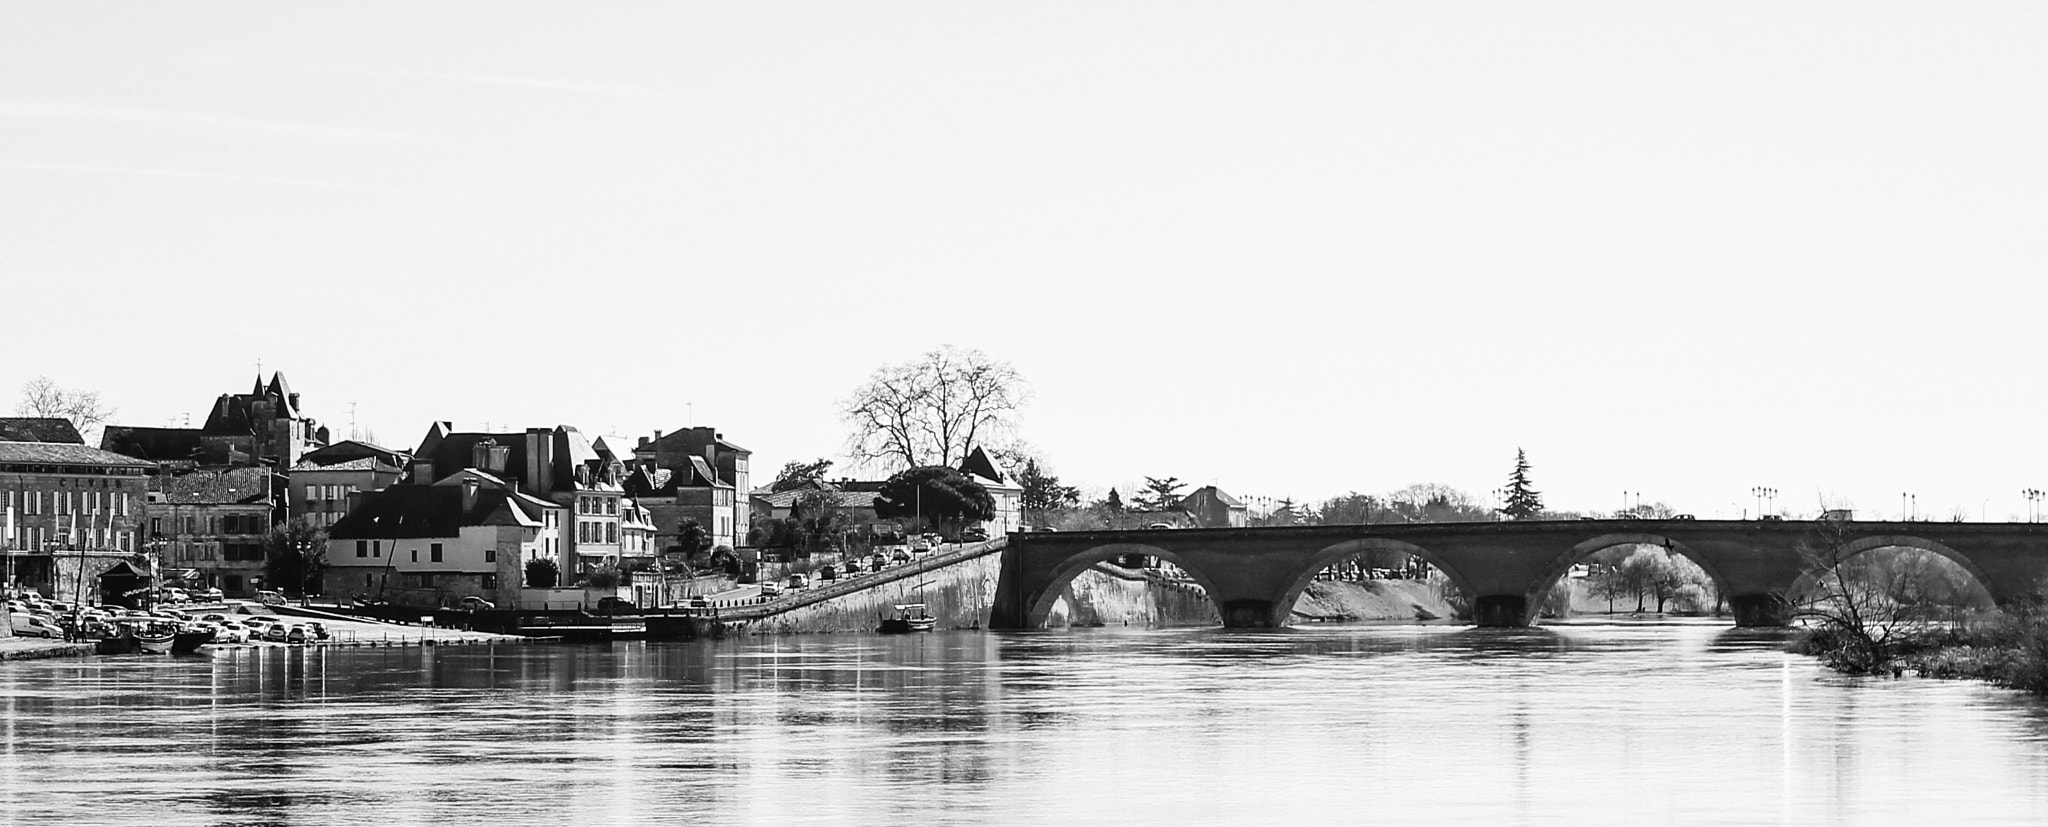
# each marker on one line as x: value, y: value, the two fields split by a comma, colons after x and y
x: 673, y: 452
x: 62, y: 505
x: 320, y: 484
x: 1212, y: 508
x: 1003, y: 488
x: 261, y: 427
x: 209, y: 527
x: 558, y: 465
x: 470, y: 534
x: 693, y: 492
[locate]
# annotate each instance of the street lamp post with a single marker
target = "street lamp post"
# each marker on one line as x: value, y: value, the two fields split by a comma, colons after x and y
x: 2033, y: 496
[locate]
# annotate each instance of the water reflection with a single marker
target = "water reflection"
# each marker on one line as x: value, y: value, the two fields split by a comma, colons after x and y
x: 1562, y: 724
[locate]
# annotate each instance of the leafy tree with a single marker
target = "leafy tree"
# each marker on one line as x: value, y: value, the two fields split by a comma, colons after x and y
x: 942, y: 495
x: 1043, y: 491
x: 542, y: 573
x: 1523, y: 501
x: 1113, y: 503
x: 774, y: 533
x: 607, y: 577
x: 934, y: 410
x: 1161, y: 494
x: 294, y: 555
x: 796, y: 474
x: 43, y: 397
x: 820, y: 516
x: 692, y: 538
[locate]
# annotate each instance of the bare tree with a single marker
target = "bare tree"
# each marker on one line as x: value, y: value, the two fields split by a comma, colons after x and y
x: 933, y: 410
x: 44, y: 397
x: 1855, y: 620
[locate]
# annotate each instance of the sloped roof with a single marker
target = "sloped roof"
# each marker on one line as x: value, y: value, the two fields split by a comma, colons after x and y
x: 980, y: 464
x: 411, y: 511
x: 352, y: 449
x: 364, y: 464
x: 231, y: 487
x: 455, y: 451
x: 39, y: 429
x: 64, y: 453
x: 847, y: 499
x: 154, y: 443
x: 1218, y: 493
x: 618, y: 447
x: 230, y: 416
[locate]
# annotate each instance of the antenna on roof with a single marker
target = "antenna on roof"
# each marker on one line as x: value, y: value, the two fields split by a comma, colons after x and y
x: 352, y: 421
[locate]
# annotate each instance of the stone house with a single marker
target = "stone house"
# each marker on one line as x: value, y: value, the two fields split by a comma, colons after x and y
x: 65, y: 500
x: 469, y: 534
x: 209, y: 527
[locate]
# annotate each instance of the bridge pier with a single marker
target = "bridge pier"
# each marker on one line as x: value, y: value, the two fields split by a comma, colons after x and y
x: 1760, y: 610
x: 1248, y: 614
x: 1501, y: 610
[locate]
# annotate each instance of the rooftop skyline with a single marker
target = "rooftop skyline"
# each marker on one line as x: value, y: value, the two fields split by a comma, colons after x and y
x: 1672, y: 248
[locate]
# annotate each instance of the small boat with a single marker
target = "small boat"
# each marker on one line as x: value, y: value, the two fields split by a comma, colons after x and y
x: 189, y: 639
x: 910, y: 617
x: 155, y: 641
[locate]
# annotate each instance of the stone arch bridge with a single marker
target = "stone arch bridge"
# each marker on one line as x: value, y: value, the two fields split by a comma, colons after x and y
x: 1255, y: 574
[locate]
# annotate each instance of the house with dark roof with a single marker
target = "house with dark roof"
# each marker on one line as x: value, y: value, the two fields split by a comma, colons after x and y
x: 66, y: 499
x: 557, y: 464
x: 469, y: 534
x: 321, y: 482
x: 39, y: 429
x: 1212, y: 508
x: 673, y: 452
x: 261, y: 427
x: 692, y: 492
x: 209, y: 527
x: 1002, y: 487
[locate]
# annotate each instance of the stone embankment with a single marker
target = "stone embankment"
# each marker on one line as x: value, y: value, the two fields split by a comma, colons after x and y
x: 23, y: 648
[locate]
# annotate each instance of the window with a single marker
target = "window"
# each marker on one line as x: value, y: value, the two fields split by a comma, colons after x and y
x: 434, y: 553
x: 611, y: 532
x: 362, y: 548
x: 490, y: 581
x: 415, y: 555
x: 490, y: 556
x: 156, y: 525
x: 611, y: 506
x: 376, y: 548
x: 312, y: 491
x: 369, y: 580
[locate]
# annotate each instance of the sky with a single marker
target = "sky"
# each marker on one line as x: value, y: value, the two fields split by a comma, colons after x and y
x: 1291, y: 249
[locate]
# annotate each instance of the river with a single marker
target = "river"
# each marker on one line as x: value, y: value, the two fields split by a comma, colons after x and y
x: 1672, y: 723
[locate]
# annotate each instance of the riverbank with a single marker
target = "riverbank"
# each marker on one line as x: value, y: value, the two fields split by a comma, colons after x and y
x: 27, y: 648
x: 2009, y: 651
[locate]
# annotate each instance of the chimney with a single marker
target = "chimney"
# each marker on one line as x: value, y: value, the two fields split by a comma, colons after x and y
x: 539, y: 479
x: 480, y: 455
x: 469, y: 488
x: 496, y: 457
x: 657, y: 435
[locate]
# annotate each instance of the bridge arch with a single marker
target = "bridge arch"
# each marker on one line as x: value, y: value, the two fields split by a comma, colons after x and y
x: 1595, y: 545
x: 1064, y: 573
x: 1335, y: 553
x: 1864, y: 545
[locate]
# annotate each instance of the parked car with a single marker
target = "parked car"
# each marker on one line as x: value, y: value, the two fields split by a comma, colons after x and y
x: 318, y: 630
x: 769, y: 589
x: 277, y: 632
x: 901, y: 555
x: 174, y: 595
x: 616, y: 606
x: 828, y: 573
x: 29, y: 625
x: 920, y: 545
x: 209, y: 596
x: 270, y: 598
x: 473, y: 603
x: 297, y: 634
x: 228, y: 631
x: 797, y: 581
x: 974, y: 534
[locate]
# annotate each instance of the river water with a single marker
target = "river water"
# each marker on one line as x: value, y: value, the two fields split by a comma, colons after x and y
x: 1682, y: 723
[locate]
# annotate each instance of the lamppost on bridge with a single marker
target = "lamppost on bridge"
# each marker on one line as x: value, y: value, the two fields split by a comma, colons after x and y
x: 1763, y: 494
x: 2033, y: 496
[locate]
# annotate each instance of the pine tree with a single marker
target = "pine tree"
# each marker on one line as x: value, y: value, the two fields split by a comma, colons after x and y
x: 1523, y: 502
